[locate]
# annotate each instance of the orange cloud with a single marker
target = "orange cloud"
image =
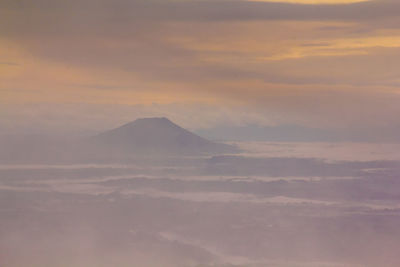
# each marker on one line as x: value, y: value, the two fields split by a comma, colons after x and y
x: 312, y: 2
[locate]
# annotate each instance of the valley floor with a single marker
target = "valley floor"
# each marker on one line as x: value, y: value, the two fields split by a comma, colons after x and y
x: 278, y: 204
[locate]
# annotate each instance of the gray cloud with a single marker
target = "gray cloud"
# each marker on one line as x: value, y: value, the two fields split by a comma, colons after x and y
x: 54, y: 17
x: 9, y: 63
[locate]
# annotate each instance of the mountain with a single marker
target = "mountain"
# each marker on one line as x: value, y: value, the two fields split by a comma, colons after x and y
x: 156, y: 136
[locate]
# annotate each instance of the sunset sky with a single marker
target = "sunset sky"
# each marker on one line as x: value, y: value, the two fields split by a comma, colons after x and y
x: 75, y: 66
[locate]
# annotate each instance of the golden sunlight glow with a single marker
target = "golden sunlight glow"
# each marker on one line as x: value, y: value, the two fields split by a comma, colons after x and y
x: 339, y: 47
x: 258, y: 43
x: 312, y: 2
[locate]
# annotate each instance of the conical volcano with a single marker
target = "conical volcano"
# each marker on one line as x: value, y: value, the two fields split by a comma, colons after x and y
x: 156, y: 135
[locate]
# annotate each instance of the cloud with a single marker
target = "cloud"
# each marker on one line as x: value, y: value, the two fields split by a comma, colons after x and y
x: 332, y: 66
x: 9, y: 63
x: 311, y: 2
x: 52, y: 17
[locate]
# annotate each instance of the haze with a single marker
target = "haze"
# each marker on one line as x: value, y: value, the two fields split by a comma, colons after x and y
x: 196, y: 133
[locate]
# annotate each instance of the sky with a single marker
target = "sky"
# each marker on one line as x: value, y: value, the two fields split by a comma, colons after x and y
x: 81, y: 66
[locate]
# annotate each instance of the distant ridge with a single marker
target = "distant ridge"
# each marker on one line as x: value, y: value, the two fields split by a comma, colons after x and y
x: 156, y: 136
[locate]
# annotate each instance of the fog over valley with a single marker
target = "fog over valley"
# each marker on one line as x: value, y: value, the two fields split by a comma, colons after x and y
x: 150, y: 193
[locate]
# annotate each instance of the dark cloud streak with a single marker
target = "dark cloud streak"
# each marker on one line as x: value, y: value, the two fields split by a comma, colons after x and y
x: 88, y: 12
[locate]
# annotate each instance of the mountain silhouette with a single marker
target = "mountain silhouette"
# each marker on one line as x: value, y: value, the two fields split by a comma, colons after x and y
x: 156, y: 136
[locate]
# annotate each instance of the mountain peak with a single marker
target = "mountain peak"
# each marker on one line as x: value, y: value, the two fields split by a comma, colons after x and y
x: 157, y: 135
x: 153, y: 119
